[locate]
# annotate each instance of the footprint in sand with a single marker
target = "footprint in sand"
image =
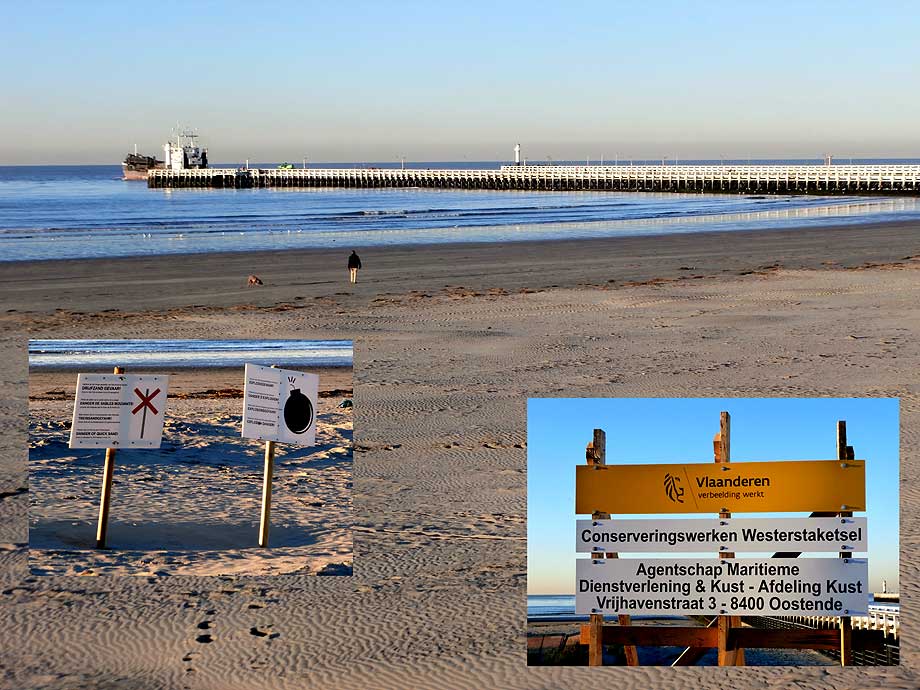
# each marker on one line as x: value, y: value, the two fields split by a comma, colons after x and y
x: 204, y: 638
x: 188, y: 658
x: 261, y: 633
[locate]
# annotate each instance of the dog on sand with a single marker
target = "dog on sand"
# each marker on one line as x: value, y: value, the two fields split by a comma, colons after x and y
x: 254, y: 281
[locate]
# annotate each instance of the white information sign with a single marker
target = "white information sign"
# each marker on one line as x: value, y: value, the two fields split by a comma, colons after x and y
x: 773, y: 586
x: 280, y: 405
x: 118, y: 411
x: 830, y: 534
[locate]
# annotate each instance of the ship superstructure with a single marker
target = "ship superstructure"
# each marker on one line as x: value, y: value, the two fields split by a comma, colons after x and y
x: 184, y: 153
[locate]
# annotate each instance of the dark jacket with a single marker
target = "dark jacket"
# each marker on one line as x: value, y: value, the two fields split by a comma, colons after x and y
x: 354, y: 261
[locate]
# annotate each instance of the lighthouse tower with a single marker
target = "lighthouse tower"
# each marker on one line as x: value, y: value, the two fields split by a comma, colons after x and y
x: 517, y: 154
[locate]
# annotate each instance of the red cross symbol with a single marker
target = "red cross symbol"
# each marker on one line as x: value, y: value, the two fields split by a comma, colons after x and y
x: 145, y: 401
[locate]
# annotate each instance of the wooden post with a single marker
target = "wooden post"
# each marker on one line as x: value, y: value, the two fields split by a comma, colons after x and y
x: 108, y: 474
x: 265, y: 518
x: 596, y: 454
x: 267, y: 493
x: 722, y: 452
x: 845, y: 452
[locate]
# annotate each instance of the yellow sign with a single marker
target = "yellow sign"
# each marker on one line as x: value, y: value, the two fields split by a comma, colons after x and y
x: 737, y: 487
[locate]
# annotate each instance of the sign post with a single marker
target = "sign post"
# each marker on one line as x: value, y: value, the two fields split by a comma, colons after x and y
x: 845, y: 453
x: 596, y: 453
x: 278, y: 405
x: 265, y: 517
x: 722, y: 451
x: 114, y: 411
x: 105, y: 500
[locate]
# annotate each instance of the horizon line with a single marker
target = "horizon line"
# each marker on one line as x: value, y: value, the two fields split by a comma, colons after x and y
x: 622, y: 161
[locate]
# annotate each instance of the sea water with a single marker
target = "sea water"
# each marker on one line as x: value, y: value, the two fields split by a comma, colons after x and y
x: 133, y: 354
x: 60, y: 212
x: 562, y: 606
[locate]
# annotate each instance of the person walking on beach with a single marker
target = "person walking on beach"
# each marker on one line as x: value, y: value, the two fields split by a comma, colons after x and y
x: 354, y: 263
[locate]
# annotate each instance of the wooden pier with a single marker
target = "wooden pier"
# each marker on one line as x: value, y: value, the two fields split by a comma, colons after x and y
x: 729, y: 179
x: 876, y: 636
x: 887, y: 621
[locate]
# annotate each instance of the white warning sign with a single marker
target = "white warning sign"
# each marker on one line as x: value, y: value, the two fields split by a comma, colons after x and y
x: 280, y: 405
x: 118, y: 411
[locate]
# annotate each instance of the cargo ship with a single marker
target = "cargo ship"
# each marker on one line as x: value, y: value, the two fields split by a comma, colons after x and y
x: 182, y: 154
x: 135, y: 165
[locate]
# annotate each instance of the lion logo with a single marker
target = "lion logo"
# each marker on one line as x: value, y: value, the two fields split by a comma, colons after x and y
x: 672, y: 488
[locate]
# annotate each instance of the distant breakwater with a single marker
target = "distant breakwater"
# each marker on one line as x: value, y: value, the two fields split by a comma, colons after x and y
x: 728, y: 179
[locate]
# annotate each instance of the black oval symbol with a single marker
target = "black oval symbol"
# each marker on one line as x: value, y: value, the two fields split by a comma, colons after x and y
x: 298, y: 412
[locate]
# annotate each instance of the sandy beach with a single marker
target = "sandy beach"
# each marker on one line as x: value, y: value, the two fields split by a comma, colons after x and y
x: 449, y: 344
x: 192, y: 506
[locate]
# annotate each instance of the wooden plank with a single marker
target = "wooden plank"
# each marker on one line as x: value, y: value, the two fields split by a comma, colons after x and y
x: 725, y: 647
x: 728, y: 654
x: 654, y: 636
x: 784, y: 639
x: 845, y: 452
x: 739, y: 638
x: 596, y: 454
x: 725, y: 430
x: 826, y: 638
x: 632, y: 654
x: 691, y: 655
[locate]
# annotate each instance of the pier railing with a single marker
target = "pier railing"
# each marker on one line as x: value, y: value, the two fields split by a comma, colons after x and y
x: 878, y: 633
x: 738, y: 179
x: 886, y: 621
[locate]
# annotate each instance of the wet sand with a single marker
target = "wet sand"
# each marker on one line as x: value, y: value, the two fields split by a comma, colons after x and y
x: 449, y: 343
x: 88, y: 286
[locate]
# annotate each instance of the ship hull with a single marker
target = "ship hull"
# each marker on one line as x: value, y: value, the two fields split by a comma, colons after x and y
x: 129, y: 174
x: 135, y: 166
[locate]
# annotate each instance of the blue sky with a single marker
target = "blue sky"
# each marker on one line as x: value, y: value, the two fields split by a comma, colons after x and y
x: 359, y: 81
x: 653, y: 430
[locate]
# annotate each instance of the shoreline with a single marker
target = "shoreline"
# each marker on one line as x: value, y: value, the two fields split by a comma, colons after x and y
x: 295, y: 278
x: 187, y: 383
x: 469, y: 245
x: 190, y: 366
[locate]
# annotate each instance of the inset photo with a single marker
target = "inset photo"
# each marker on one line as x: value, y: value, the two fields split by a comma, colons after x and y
x: 190, y: 457
x: 713, y: 532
